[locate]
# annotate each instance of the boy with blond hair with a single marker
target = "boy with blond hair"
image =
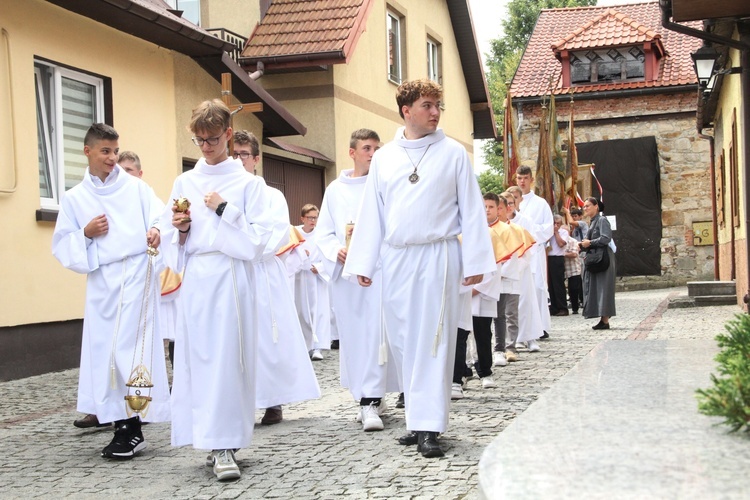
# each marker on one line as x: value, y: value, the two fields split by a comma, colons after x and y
x: 213, y: 393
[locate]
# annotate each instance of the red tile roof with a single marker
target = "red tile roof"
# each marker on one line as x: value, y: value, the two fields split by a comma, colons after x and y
x: 292, y: 30
x: 609, y: 29
x: 589, y: 27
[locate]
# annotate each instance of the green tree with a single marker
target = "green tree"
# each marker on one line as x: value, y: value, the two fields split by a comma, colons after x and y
x: 491, y: 182
x: 505, y: 56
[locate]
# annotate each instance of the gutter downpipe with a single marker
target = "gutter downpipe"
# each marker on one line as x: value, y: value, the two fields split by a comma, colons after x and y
x: 714, y: 224
x: 744, y: 48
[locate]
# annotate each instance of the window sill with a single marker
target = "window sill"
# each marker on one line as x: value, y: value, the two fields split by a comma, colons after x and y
x: 46, y: 215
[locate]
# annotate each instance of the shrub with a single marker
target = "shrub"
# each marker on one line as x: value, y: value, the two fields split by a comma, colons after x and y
x: 730, y: 395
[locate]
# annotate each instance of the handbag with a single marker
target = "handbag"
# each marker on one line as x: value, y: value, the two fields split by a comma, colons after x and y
x: 596, y: 260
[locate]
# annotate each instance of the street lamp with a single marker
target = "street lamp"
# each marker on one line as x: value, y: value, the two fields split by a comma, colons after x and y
x: 705, y: 60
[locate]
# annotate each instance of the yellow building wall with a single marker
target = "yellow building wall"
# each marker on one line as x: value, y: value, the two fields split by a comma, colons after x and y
x: 346, y: 97
x: 730, y: 104
x: 154, y: 91
x: 239, y: 16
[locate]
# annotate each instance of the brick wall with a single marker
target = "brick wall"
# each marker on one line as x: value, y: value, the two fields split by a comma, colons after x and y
x: 683, y: 159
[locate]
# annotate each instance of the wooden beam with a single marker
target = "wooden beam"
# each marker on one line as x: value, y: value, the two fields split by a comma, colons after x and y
x: 695, y: 10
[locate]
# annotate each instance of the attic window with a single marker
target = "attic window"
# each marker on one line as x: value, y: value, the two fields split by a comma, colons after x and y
x: 616, y: 64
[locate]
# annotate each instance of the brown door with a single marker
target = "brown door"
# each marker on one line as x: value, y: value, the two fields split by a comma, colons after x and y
x: 301, y: 183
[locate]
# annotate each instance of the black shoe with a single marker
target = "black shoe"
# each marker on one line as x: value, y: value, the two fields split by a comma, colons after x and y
x: 273, y: 415
x: 408, y: 439
x: 427, y: 444
x: 545, y: 335
x: 89, y: 420
x: 335, y: 345
x: 400, y: 402
x: 128, y: 440
x: 600, y: 326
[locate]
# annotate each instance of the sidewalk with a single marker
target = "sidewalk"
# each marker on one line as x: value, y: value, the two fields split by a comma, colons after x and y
x: 319, y: 451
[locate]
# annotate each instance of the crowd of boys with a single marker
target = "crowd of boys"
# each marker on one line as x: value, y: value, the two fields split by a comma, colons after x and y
x: 398, y: 259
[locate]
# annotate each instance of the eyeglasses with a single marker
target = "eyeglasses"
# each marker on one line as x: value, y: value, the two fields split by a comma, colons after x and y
x: 211, y: 141
x: 311, y: 218
x: 242, y: 154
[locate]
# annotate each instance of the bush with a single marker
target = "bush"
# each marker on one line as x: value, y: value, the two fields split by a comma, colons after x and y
x: 730, y: 395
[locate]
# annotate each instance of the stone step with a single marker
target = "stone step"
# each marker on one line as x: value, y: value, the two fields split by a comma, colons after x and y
x: 703, y: 301
x: 715, y: 300
x: 704, y: 288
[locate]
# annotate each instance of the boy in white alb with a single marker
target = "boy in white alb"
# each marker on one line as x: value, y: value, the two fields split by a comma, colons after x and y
x: 103, y: 230
x: 213, y: 392
x: 363, y: 345
x: 311, y: 289
x: 284, y: 372
x: 421, y: 193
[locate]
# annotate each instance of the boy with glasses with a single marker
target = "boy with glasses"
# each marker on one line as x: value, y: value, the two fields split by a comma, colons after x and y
x: 226, y: 227
x: 311, y: 289
x: 284, y: 374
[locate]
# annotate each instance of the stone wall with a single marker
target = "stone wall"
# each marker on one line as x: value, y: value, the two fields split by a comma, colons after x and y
x: 683, y: 159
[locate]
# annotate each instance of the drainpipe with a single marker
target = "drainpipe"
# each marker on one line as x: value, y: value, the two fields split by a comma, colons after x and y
x: 744, y: 48
x: 714, y: 224
x: 260, y: 69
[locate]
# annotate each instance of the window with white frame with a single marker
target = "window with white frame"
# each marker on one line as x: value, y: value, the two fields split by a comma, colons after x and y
x: 67, y: 103
x: 395, y: 27
x: 434, y: 66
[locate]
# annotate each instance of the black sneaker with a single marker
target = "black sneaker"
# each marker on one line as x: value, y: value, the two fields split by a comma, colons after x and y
x: 400, y: 401
x: 334, y: 344
x: 128, y: 440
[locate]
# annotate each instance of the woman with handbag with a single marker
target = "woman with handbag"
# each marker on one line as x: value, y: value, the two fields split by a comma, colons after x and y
x: 599, y: 266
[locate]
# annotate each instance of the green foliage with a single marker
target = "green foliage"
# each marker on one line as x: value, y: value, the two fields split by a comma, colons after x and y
x: 505, y: 55
x: 730, y: 395
x: 491, y: 182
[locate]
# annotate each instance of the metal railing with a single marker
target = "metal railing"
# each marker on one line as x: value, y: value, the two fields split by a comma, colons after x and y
x: 238, y: 41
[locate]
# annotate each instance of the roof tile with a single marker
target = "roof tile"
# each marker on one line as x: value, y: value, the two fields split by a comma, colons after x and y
x: 580, y: 28
x: 304, y: 26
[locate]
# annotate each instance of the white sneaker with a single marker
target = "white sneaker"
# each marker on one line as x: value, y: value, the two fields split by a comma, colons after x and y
x: 500, y: 359
x: 380, y: 409
x: 488, y: 383
x: 225, y: 466
x: 457, y: 392
x: 316, y: 355
x: 533, y: 346
x: 371, y: 418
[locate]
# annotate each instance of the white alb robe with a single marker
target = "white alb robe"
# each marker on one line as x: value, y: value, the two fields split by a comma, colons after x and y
x: 311, y: 295
x: 285, y: 374
x: 537, y: 255
x: 213, y: 391
x: 364, y: 354
x: 115, y: 264
x: 417, y: 225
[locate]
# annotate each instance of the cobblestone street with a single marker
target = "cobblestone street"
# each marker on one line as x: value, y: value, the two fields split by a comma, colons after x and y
x: 318, y: 451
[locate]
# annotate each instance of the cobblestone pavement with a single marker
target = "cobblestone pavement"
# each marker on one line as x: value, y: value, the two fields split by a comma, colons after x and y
x: 318, y: 451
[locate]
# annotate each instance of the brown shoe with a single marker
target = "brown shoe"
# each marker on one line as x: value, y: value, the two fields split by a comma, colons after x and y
x: 272, y: 416
x: 89, y: 421
x: 562, y: 312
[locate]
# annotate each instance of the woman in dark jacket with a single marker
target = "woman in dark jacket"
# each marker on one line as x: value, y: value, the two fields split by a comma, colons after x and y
x: 598, y: 288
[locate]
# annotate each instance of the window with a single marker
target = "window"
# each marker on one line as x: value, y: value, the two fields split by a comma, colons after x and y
x: 434, y: 66
x: 67, y: 103
x: 395, y: 27
x: 191, y: 9
x: 602, y: 65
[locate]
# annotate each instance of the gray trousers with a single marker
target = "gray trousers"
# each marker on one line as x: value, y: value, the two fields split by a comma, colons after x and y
x: 506, y: 323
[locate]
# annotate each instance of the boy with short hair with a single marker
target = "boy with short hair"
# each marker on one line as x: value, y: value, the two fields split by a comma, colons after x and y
x: 364, y: 367
x: 213, y: 393
x: 420, y: 194
x: 284, y: 374
x: 311, y: 288
x: 110, y: 248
